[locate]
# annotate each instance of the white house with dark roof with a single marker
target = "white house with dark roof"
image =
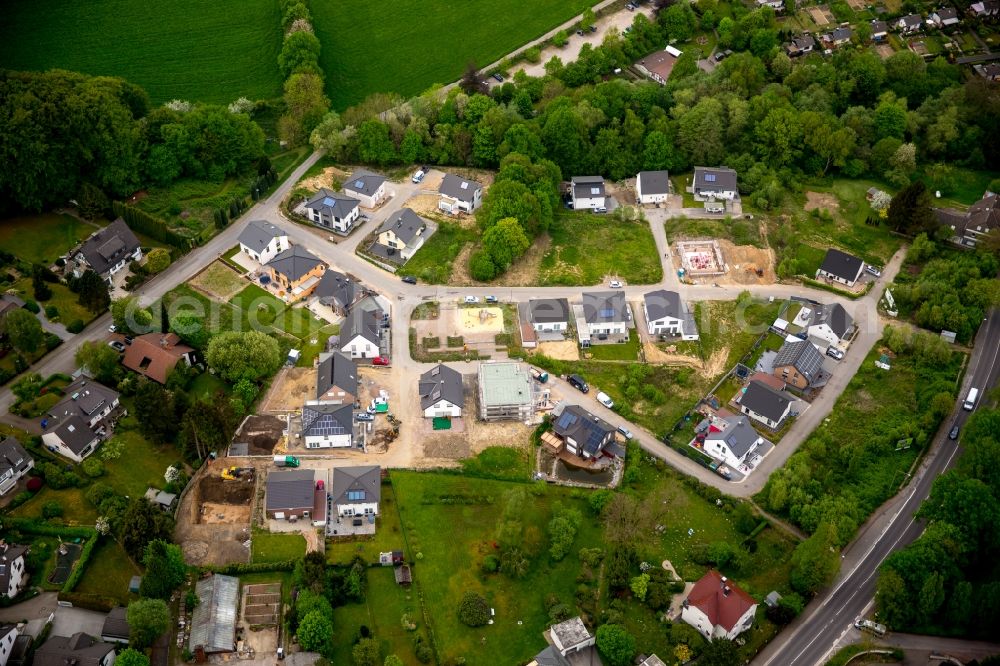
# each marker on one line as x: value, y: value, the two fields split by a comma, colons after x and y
x: 367, y: 187
x: 880, y: 30
x: 985, y: 8
x: 838, y: 36
x: 588, y: 192
x: 402, y: 233
x: 605, y: 313
x: 262, y: 241
x: 714, y: 184
x: 944, y: 17
x: 326, y: 425
x: 333, y: 211
x: 800, y: 45
x: 15, y: 462
x: 652, y: 187
x: 107, y: 251
x: 909, y: 23
x: 969, y: 227
x: 548, y: 314
x: 441, y: 392
x: 765, y: 405
x: 356, y: 491
x: 77, y: 424
x: 732, y: 440
x: 115, y: 628
x: 459, y: 195
x: 831, y: 324
x: 360, y: 334
x: 76, y: 650
x: 667, y: 314
x: 840, y: 267
x: 8, y: 636
x: 12, y: 568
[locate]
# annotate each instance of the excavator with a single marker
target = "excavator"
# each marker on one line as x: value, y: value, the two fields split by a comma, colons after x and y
x: 237, y: 473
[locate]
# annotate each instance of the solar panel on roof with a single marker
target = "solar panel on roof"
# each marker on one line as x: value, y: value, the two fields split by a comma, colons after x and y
x: 607, y: 312
x: 359, y: 183
x: 328, y: 201
x: 566, y: 419
x: 465, y: 185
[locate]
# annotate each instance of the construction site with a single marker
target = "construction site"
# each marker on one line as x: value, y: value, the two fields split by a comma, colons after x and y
x: 259, y: 434
x: 702, y: 258
x: 724, y: 262
x: 213, y: 520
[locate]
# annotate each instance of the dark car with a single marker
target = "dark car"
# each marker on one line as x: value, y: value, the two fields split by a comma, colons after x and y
x: 498, y: 76
x: 409, y: 279
x: 577, y: 382
x: 593, y: 28
x: 953, y: 435
x: 580, y: 32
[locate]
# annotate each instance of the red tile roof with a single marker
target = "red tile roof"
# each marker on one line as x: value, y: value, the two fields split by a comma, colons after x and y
x: 770, y: 380
x: 155, y: 355
x: 710, y: 596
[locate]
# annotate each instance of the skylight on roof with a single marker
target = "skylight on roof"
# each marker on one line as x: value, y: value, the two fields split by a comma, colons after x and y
x: 359, y: 183
x: 328, y: 201
x: 607, y: 312
x: 595, y: 190
x: 355, y: 495
x: 709, y: 177
x: 465, y: 185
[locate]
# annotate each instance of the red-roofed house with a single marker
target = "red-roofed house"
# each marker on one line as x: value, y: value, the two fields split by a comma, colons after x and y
x: 155, y: 355
x: 717, y: 608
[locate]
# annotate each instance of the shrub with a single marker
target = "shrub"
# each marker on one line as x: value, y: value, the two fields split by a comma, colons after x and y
x: 481, y: 267
x: 51, y: 311
x: 75, y: 326
x: 52, y: 509
x: 491, y: 563
x: 92, y: 467
x: 473, y: 610
x: 31, y: 306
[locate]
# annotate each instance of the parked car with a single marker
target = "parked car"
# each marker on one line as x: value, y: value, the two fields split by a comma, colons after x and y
x: 834, y: 352
x: 380, y: 360
x: 625, y: 432
x: 409, y: 279
x: 616, y: 284
x: 577, y: 382
x: 874, y: 271
x: 592, y: 28
x: 471, y: 299
x: 605, y: 399
x: 117, y: 346
x: 868, y: 625
x: 720, y: 56
x: 492, y: 299
x: 580, y: 32
x: 602, y: 209
x: 418, y: 176
x: 129, y: 339
x: 364, y: 416
x: 498, y: 76
x: 112, y: 328
x: 630, y: 7
x: 953, y: 434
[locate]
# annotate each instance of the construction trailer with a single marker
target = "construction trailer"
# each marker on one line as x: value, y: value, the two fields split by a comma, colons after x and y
x: 505, y: 392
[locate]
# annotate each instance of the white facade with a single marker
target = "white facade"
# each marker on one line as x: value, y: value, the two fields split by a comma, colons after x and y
x: 648, y: 198
x: 368, y: 201
x: 357, y: 509
x: 7, y: 645
x: 360, y: 347
x: 824, y: 333
x: 12, y: 476
x: 589, y: 203
x: 443, y: 408
x: 763, y: 419
x: 550, y: 326
x: 16, y: 576
x: 342, y: 224
x: 454, y: 206
x: 277, y: 244
x: 328, y: 441
x: 607, y: 328
x: 697, y: 619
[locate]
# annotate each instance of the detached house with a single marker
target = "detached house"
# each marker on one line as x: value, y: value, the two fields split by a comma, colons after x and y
x: 764, y: 404
x: 666, y: 314
x: 944, y: 17
x: 652, y: 187
x: 840, y: 267
x: 327, y: 426
x: 336, y: 379
x: 296, y: 271
x: 368, y: 188
x: 880, y: 30
x: 338, y: 292
x: 798, y: 363
x: 570, y: 644
x: 733, y: 440
x: 459, y: 195
x: 800, y: 45
x: 155, y: 355
x: 333, y: 211
x: 262, y: 241
x: 582, y: 433
x: 549, y: 314
x: 356, y: 491
x: 8, y: 638
x: 658, y: 64
x: 290, y: 494
x: 718, y: 608
x: 12, y: 568
x: 77, y: 650
x: 909, y: 23
x: 441, y: 392
x: 838, y: 37
x: 360, y: 335
x: 712, y: 184
x: 970, y: 226
x: 14, y: 463
x: 830, y: 325
x: 107, y: 251
x: 985, y: 8
x: 587, y: 193
x: 605, y: 314
x: 402, y: 233
x: 78, y: 423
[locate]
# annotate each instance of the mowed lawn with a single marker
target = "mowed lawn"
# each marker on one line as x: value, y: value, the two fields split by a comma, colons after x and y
x: 43, y: 238
x: 588, y: 249
x: 188, y: 49
x: 408, y: 45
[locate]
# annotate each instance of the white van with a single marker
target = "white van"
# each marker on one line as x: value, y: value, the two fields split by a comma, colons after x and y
x: 418, y: 176
x: 970, y: 400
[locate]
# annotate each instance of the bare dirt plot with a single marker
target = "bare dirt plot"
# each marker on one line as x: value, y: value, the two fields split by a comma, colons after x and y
x: 213, y: 489
x: 261, y: 433
x: 822, y: 201
x: 331, y: 178
x: 884, y: 50
x: 857, y: 5
x: 213, y: 521
x: 566, y: 350
x: 523, y: 273
x: 821, y: 15
x: 425, y: 205
x: 289, y: 390
x: 478, y: 436
x: 261, y: 603
x: 219, y: 281
x: 743, y: 262
x: 214, y: 513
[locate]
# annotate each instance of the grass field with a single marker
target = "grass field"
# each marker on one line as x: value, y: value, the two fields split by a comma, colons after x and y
x: 628, y: 351
x: 739, y: 230
x: 267, y: 547
x: 219, y: 281
x: 76, y: 509
x: 140, y: 465
x: 43, y: 238
x: 65, y: 301
x: 108, y: 572
x: 410, y: 45
x: 188, y: 49
x: 587, y: 248
x: 433, y: 261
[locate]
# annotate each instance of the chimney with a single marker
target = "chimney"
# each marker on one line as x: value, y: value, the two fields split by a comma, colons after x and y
x: 725, y: 591
x: 163, y: 342
x: 724, y: 581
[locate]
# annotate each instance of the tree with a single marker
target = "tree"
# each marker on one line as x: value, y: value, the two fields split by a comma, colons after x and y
x: 28, y: 387
x: 157, y: 260
x: 392, y: 660
x: 102, y: 361
x: 374, y: 144
x: 816, y: 561
x: 132, y: 657
x: 481, y: 266
x: 93, y: 292
x: 130, y: 317
x: 615, y: 644
x: 147, y: 620
x: 471, y: 82
x: 141, y: 523
x: 249, y: 355
x: 165, y: 569
x: 640, y: 585
x: 299, y: 51
x: 42, y: 291
x: 910, y: 210
x: 719, y: 652
x: 587, y: 19
x: 207, y: 426
x: 505, y: 242
x: 155, y: 410
x: 315, y: 631
x: 366, y: 652
x: 306, y: 105
x: 23, y: 330
x: 473, y: 610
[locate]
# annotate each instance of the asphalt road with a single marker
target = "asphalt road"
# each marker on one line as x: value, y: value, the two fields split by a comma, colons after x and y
x: 829, y: 618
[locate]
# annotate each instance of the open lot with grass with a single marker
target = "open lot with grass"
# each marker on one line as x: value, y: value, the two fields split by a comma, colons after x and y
x: 108, y: 573
x: 219, y: 281
x: 64, y: 300
x: 412, y: 44
x: 626, y: 351
x: 189, y: 206
x: 587, y: 248
x: 76, y: 509
x: 255, y: 299
x: 268, y: 547
x: 740, y: 231
x: 433, y: 261
x: 141, y: 464
x: 42, y: 238
x: 214, y: 52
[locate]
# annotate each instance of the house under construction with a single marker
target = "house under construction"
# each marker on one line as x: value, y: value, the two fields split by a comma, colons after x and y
x: 505, y: 392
